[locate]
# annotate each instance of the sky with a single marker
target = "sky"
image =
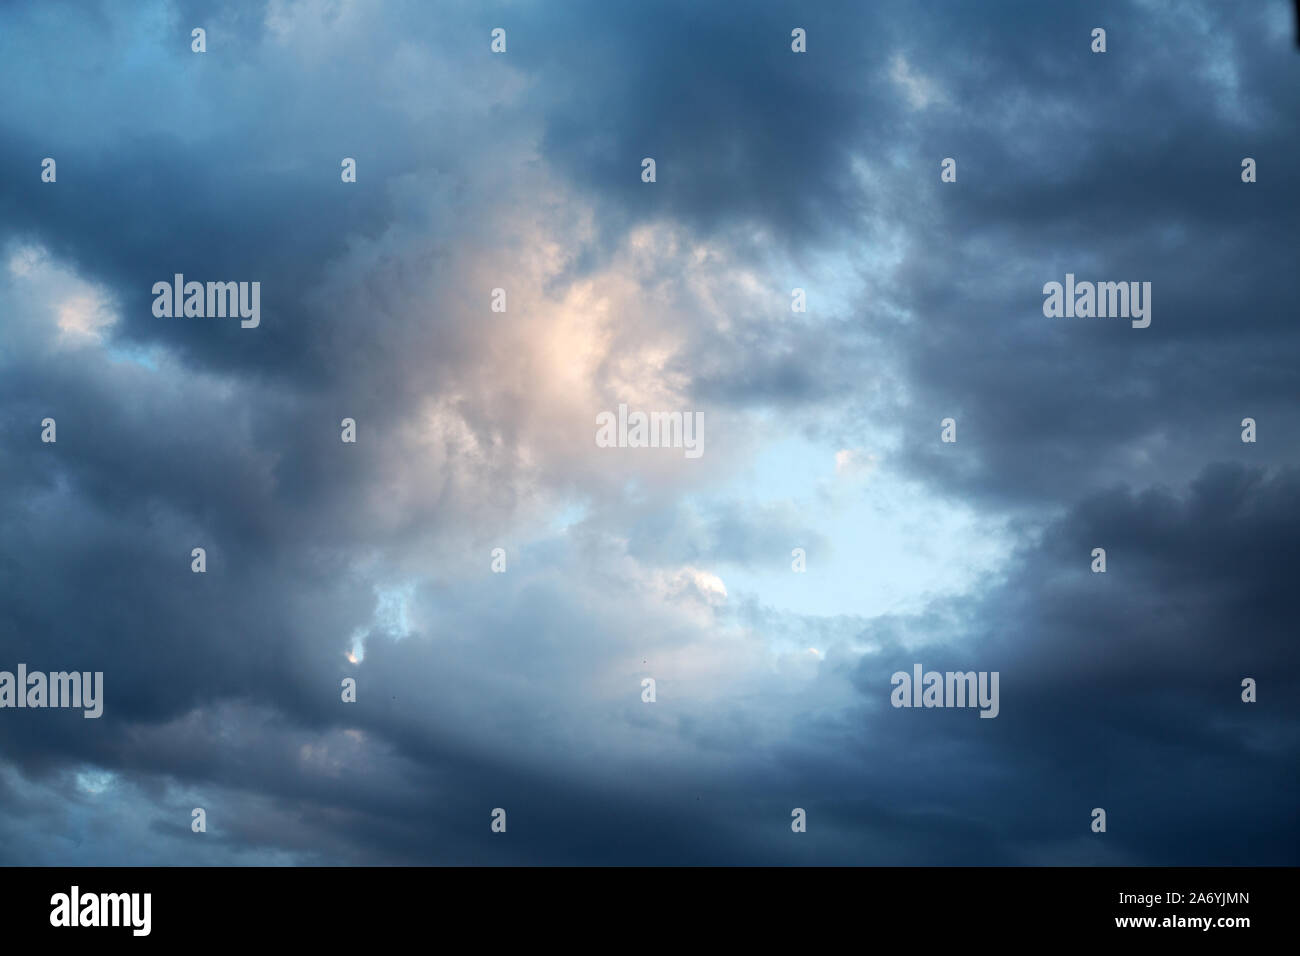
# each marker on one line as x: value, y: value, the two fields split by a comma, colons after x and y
x: 522, y: 689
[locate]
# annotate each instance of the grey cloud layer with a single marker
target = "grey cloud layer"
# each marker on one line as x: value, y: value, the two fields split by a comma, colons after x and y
x: 521, y: 690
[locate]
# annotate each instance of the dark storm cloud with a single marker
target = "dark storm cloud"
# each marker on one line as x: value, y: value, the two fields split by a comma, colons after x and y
x: 1062, y: 168
x: 740, y: 128
x: 1070, y: 183
x: 228, y: 175
x: 1118, y: 690
x: 151, y: 207
x: 1123, y: 690
x: 1056, y: 176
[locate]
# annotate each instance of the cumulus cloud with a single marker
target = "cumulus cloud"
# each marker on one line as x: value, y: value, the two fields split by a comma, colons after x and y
x: 522, y: 689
